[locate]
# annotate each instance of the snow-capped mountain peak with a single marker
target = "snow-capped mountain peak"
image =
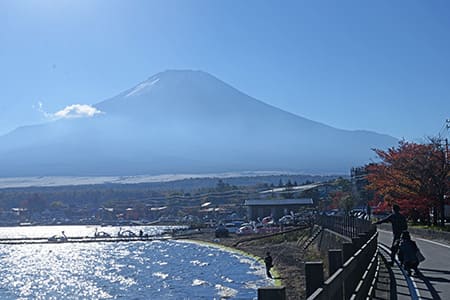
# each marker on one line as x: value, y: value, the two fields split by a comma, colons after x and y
x: 184, y: 122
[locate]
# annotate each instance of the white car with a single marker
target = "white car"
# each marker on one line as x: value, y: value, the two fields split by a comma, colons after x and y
x: 245, y: 230
x: 286, y: 220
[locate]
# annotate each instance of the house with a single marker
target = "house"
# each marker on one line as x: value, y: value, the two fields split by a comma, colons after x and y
x: 274, y: 207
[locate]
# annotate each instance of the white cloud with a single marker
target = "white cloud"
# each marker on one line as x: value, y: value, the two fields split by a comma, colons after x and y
x: 77, y: 111
x: 69, y: 112
x: 40, y: 108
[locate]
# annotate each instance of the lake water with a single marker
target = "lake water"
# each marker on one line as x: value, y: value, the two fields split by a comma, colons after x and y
x: 123, y: 270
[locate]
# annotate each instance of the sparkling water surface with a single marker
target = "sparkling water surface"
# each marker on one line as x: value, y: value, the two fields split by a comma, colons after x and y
x: 123, y: 270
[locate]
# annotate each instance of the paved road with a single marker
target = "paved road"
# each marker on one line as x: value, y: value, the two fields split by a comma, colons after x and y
x: 435, y: 282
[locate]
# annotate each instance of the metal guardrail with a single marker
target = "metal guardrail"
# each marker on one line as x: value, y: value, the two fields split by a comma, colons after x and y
x: 346, y: 225
x: 353, y: 269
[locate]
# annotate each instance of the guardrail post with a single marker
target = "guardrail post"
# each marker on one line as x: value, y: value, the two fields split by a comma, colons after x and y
x: 313, y: 276
x: 272, y: 293
x: 347, y: 251
x: 373, y: 229
x: 335, y: 257
x: 334, y: 260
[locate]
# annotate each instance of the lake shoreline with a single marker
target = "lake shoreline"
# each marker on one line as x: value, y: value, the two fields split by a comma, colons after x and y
x: 288, y: 268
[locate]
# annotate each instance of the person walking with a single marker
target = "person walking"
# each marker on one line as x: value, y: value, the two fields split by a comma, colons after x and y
x: 269, y: 264
x: 399, y: 225
x: 407, y: 253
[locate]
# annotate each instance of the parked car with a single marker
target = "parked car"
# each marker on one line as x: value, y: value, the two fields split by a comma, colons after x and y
x: 231, y: 227
x: 286, y: 220
x: 245, y: 230
x: 267, y: 220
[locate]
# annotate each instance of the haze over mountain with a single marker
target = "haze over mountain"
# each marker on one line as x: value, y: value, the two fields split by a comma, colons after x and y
x: 184, y: 122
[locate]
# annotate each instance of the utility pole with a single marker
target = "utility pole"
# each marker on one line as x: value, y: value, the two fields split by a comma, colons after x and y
x: 446, y: 150
x: 447, y: 125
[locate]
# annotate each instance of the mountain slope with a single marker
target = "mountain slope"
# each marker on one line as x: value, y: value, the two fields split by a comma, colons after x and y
x: 184, y: 121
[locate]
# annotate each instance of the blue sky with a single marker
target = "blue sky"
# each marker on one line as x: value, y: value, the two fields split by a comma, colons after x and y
x: 376, y: 65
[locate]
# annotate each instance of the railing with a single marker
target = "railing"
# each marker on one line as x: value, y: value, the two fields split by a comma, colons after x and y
x: 353, y: 270
x: 345, y: 225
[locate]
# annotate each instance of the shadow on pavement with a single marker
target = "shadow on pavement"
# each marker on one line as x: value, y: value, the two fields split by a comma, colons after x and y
x: 437, y: 279
x: 434, y: 270
x: 427, y: 280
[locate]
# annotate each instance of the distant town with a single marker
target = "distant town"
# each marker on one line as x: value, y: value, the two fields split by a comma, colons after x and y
x: 205, y: 201
x: 198, y: 202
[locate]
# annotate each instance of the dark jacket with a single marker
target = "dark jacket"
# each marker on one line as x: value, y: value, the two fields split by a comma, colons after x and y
x: 398, y: 222
x: 268, y: 261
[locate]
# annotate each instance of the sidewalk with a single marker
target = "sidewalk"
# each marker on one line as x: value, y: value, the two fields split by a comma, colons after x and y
x: 435, y: 280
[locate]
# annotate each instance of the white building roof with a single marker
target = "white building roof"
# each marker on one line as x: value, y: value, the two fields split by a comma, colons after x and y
x: 300, y: 188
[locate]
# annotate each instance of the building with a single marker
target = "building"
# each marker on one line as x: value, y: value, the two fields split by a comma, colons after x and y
x: 274, y: 207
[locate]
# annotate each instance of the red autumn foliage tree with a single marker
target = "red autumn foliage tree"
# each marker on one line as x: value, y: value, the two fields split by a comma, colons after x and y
x: 342, y: 196
x: 415, y: 176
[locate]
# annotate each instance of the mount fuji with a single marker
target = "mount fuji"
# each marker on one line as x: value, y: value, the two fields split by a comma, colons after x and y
x: 184, y: 122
